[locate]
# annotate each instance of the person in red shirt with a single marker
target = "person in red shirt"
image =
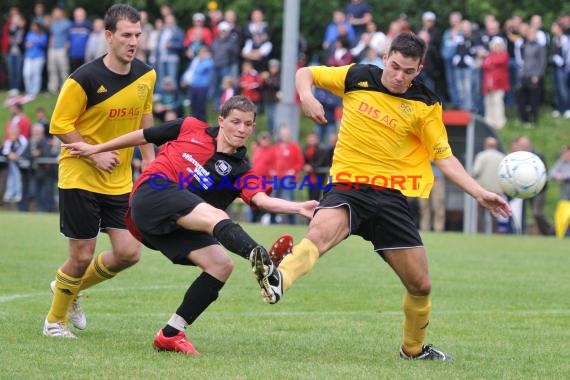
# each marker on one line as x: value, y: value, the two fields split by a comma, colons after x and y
x: 288, y: 162
x: 198, y: 35
x: 315, y: 165
x: 250, y: 82
x: 496, y: 82
x: 262, y: 162
x: 264, y: 156
x: 20, y: 119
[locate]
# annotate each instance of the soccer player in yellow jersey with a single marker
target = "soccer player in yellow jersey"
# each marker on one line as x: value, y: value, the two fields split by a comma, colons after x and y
x: 105, y: 98
x: 390, y: 130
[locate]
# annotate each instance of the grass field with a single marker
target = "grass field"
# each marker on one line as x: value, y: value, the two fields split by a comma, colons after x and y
x: 500, y: 304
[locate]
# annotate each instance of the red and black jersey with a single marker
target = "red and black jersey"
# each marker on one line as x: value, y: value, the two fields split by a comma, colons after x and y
x: 189, y: 158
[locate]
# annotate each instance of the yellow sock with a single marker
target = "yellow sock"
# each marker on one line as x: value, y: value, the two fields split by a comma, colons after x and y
x: 66, y: 289
x: 96, y: 272
x: 303, y: 258
x: 416, y: 320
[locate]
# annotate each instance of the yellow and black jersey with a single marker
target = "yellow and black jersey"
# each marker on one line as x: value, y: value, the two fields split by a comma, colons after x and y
x: 101, y: 105
x: 385, y: 139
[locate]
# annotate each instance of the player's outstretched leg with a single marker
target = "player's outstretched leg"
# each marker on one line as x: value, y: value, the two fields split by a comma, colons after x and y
x: 267, y: 275
x: 428, y: 353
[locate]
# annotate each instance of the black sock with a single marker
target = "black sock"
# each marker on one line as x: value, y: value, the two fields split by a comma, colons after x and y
x: 169, y: 331
x: 203, y: 291
x: 234, y: 238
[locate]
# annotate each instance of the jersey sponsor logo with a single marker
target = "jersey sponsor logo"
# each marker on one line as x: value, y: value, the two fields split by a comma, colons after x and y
x: 222, y: 167
x: 362, y: 84
x: 142, y: 92
x: 440, y: 149
x: 194, y: 141
x: 101, y: 90
x: 405, y: 108
x: 377, y: 114
x: 118, y: 113
x: 197, y: 173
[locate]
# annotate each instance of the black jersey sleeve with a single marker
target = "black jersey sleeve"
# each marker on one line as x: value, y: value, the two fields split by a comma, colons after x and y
x: 163, y: 133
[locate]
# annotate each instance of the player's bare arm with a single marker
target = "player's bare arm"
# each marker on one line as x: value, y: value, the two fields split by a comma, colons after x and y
x: 106, y: 161
x: 83, y: 149
x: 312, y: 108
x: 453, y: 170
x: 147, y: 150
x: 282, y: 206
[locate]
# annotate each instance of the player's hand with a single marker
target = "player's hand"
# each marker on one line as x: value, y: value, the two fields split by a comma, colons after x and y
x: 106, y: 161
x: 80, y: 149
x: 314, y: 110
x: 496, y: 204
x: 307, y: 208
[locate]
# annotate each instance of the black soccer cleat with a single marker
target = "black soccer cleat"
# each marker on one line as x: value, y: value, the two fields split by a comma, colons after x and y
x: 267, y: 275
x: 428, y: 353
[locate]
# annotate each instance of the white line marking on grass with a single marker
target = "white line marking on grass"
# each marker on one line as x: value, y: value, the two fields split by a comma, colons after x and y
x: 13, y: 297
x: 528, y: 313
x: 390, y: 313
x: 17, y: 296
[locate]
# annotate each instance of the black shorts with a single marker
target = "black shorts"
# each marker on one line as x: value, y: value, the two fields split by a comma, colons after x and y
x: 155, y: 212
x: 82, y: 213
x: 380, y: 216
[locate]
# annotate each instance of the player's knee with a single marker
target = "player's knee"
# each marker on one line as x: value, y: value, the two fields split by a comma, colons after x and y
x: 226, y: 268
x: 209, y: 213
x: 80, y: 255
x: 421, y: 287
x: 81, y: 260
x: 221, y: 268
x: 128, y: 256
x: 216, y: 216
x: 320, y: 238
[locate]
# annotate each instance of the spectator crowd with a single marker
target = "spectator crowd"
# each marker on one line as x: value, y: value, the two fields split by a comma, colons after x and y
x: 483, y: 67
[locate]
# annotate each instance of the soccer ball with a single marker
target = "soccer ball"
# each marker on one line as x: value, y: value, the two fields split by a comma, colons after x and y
x: 522, y: 174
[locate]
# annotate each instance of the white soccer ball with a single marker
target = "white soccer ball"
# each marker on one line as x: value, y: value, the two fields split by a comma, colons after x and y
x: 522, y: 174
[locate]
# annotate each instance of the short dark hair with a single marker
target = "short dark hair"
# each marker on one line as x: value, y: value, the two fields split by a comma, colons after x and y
x: 240, y: 103
x: 119, y: 12
x: 409, y: 45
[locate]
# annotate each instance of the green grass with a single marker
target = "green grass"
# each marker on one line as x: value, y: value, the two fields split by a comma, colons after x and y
x: 500, y: 304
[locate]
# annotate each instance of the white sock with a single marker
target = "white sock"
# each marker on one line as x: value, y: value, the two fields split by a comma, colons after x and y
x: 177, y: 322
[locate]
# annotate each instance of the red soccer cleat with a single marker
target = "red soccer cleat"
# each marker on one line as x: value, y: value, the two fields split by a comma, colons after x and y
x: 177, y: 343
x: 281, y: 248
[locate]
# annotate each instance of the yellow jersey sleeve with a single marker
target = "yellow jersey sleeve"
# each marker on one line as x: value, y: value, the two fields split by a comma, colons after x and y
x: 432, y: 133
x: 69, y: 106
x: 330, y: 78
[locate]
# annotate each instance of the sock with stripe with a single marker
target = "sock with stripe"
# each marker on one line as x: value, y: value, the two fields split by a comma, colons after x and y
x: 96, y: 272
x: 203, y: 291
x: 416, y: 321
x: 66, y: 289
x: 299, y: 262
